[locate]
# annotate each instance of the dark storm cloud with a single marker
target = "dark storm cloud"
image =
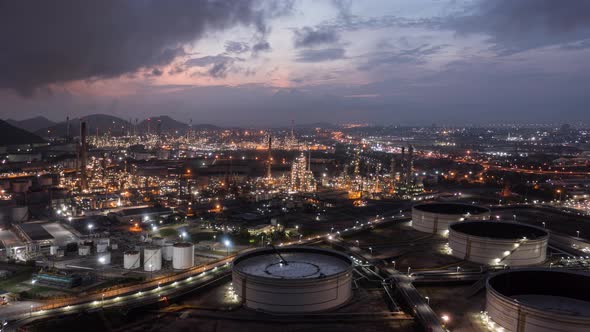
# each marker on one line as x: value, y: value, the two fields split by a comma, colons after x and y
x: 309, y: 37
x: 515, y: 26
x: 236, y: 47
x: 327, y: 54
x: 47, y: 42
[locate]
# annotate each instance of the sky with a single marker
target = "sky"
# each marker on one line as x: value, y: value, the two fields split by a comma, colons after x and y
x: 268, y: 62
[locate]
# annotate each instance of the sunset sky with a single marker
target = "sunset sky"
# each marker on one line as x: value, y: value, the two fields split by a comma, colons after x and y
x: 262, y: 63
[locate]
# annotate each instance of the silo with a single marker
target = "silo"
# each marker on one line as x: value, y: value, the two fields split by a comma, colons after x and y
x: 167, y: 251
x: 101, y: 247
x: 131, y: 260
x: 152, y: 258
x: 158, y: 241
x: 83, y: 250
x: 183, y: 255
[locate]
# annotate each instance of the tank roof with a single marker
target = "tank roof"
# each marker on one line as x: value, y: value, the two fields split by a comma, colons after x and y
x: 298, y: 263
x: 451, y: 208
x: 498, y: 229
x: 183, y: 245
x: 564, y: 292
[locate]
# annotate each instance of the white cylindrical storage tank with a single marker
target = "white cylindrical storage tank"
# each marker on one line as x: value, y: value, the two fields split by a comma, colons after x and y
x: 498, y: 243
x: 83, y: 250
x: 20, y: 214
x: 104, y: 258
x: 101, y: 247
x: 53, y: 250
x: 183, y: 255
x: 436, y: 217
x: 167, y: 251
x: 538, y: 300
x: 158, y: 241
x: 131, y: 260
x: 308, y: 280
x: 152, y: 258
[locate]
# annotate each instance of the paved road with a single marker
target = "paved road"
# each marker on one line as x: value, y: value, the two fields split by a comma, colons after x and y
x: 123, y: 296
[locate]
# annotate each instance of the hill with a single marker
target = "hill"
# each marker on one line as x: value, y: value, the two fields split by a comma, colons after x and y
x: 101, y: 122
x: 32, y: 124
x: 12, y: 135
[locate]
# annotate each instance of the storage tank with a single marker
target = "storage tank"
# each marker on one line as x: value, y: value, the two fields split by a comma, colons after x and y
x: 84, y: 250
x: 53, y: 250
x: 20, y: 214
x: 131, y: 260
x: 167, y: 251
x: 435, y: 218
x: 21, y: 186
x: 498, y: 243
x: 101, y: 247
x: 45, y: 181
x: 158, y: 241
x: 538, y: 300
x: 183, y: 255
x: 299, y: 280
x: 104, y: 258
x: 152, y: 258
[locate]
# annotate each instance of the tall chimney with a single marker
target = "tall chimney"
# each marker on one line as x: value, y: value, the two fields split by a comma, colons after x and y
x: 269, y: 161
x: 83, y: 155
x: 67, y: 128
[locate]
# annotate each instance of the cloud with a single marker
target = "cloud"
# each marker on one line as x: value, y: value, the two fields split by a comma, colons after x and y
x: 344, y: 10
x: 261, y: 46
x: 218, y: 66
x: 236, y: 47
x: 310, y: 37
x: 416, y: 55
x: 47, y: 42
x: 516, y: 26
x: 327, y: 54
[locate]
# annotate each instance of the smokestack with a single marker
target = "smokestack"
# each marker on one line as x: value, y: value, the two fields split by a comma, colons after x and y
x: 269, y: 161
x: 83, y: 155
x: 67, y: 128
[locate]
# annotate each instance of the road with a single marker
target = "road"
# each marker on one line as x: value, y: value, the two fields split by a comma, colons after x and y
x: 155, y: 288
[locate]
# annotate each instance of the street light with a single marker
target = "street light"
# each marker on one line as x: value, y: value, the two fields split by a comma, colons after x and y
x: 371, y: 249
x: 357, y: 243
x: 227, y: 244
x: 427, y: 300
x: 543, y: 224
x: 445, y: 318
x: 393, y: 262
x: 409, y: 268
x: 578, y: 233
x: 102, y: 302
